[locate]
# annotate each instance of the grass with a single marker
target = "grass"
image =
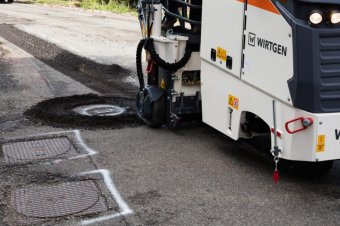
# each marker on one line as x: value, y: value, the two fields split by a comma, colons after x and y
x: 111, y: 6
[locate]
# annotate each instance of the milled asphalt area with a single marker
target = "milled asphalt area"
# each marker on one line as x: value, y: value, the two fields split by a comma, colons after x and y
x: 100, y: 36
x: 193, y: 176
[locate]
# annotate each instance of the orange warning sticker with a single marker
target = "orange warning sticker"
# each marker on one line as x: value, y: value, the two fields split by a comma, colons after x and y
x: 320, y: 147
x: 233, y: 102
x: 221, y: 54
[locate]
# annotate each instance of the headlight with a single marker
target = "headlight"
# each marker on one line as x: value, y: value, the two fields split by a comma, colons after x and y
x: 335, y: 17
x: 315, y: 17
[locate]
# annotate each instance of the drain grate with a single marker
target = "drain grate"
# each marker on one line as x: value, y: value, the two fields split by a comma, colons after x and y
x: 66, y: 199
x: 27, y: 151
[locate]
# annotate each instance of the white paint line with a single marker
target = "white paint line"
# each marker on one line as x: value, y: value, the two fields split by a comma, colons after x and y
x: 58, y: 132
x: 79, y: 139
x: 123, y: 207
x: 103, y: 218
x: 89, y: 150
x: 111, y: 110
x: 80, y: 142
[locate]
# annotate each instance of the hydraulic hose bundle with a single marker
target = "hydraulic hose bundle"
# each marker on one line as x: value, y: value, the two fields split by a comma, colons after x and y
x: 148, y: 45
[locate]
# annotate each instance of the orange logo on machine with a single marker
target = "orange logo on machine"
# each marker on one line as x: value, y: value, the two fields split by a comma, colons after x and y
x: 233, y: 102
x: 263, y: 4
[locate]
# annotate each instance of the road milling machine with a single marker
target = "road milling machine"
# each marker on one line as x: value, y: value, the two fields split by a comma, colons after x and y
x: 248, y: 67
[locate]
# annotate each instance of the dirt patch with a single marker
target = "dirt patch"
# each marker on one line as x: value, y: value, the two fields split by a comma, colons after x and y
x: 58, y: 112
x: 145, y: 198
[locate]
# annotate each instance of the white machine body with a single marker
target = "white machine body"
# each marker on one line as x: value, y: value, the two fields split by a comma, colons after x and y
x: 229, y: 93
x: 249, y: 58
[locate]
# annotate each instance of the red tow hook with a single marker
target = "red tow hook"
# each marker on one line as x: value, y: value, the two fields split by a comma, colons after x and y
x: 305, y: 123
x: 149, y: 68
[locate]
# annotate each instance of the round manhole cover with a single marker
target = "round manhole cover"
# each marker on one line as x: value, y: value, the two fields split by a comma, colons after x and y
x: 55, y: 201
x: 100, y: 110
x: 20, y: 152
x: 86, y: 111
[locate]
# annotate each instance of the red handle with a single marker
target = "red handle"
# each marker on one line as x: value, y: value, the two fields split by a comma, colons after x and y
x: 149, y: 67
x: 309, y: 122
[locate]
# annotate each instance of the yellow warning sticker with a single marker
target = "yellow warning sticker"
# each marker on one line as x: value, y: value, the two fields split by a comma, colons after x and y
x: 221, y: 54
x: 163, y: 86
x: 320, y: 147
x: 233, y: 102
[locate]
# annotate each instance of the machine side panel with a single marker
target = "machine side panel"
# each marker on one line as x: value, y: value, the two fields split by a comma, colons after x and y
x: 216, y: 106
x: 222, y: 31
x: 268, y: 54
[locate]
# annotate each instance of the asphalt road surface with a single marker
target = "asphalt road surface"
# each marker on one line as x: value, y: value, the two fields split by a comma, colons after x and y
x: 141, y: 176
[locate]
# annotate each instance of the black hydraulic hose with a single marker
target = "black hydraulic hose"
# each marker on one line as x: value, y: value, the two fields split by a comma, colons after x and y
x: 194, y: 22
x: 192, y: 6
x: 149, y: 46
x: 139, y: 64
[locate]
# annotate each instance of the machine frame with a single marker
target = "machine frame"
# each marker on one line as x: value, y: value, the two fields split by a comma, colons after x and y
x: 268, y: 52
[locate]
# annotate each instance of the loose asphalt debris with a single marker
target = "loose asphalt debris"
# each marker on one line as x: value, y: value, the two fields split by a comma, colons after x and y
x: 58, y: 112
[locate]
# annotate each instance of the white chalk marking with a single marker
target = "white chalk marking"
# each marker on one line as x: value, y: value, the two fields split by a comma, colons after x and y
x: 111, y: 110
x: 80, y: 141
x: 123, y: 207
x: 52, y: 133
x: 89, y: 150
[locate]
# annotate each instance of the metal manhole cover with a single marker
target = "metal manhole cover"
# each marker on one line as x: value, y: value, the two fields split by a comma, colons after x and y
x: 100, y: 110
x: 25, y: 151
x: 60, y: 200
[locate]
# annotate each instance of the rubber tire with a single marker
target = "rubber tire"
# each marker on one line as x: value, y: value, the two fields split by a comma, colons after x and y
x: 10, y: 1
x: 158, y: 115
x: 308, y: 168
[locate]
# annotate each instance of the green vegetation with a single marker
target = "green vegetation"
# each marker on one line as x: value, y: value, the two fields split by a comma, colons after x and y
x: 116, y: 6
x: 111, y: 5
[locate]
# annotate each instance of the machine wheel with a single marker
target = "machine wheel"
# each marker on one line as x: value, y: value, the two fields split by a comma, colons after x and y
x: 308, y: 168
x: 158, y: 113
x: 153, y: 114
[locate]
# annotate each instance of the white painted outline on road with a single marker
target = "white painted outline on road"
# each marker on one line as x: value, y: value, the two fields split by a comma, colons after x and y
x: 83, y: 110
x: 79, y: 139
x: 89, y: 150
x: 122, y: 205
